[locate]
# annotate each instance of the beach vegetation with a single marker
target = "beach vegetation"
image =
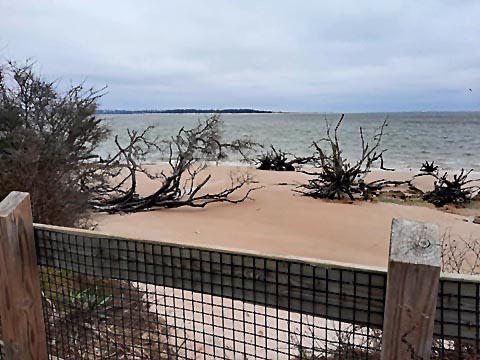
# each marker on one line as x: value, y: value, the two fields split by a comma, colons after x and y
x: 459, y: 254
x: 48, y: 139
x: 89, y: 306
x: 345, y: 341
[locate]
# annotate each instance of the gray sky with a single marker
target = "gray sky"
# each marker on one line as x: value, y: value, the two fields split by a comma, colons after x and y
x: 282, y: 55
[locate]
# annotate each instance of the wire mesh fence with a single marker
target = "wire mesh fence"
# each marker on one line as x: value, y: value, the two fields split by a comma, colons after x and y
x: 457, y: 322
x: 210, y: 304
x: 113, y: 298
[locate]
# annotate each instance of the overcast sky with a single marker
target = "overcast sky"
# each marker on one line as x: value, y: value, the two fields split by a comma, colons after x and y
x: 281, y: 55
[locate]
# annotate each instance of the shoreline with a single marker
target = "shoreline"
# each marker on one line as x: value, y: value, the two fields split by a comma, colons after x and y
x: 373, y: 170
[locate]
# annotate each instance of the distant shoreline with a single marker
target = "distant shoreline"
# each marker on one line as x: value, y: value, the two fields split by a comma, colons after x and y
x: 254, y: 111
x: 189, y: 111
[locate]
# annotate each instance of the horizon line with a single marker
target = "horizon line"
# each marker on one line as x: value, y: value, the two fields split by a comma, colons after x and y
x: 254, y: 110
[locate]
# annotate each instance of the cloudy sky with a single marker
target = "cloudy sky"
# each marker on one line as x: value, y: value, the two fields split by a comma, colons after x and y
x: 281, y: 55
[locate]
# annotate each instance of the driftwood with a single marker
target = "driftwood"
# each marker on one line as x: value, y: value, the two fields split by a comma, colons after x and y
x: 338, y: 178
x: 279, y: 160
x: 183, y: 183
x: 429, y: 168
x: 458, y: 190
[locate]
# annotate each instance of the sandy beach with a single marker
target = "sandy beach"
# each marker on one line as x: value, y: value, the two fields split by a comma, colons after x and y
x: 280, y: 222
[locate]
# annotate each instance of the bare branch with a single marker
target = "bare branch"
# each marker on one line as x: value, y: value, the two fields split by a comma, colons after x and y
x: 278, y: 160
x: 182, y: 184
x: 339, y: 179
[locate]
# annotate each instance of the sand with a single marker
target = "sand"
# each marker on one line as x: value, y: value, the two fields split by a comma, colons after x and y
x: 278, y: 221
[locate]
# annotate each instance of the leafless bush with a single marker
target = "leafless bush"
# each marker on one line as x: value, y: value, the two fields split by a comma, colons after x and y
x: 460, y: 255
x: 342, y: 342
x: 47, y: 140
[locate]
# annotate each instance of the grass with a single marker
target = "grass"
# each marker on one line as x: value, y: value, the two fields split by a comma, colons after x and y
x: 408, y: 202
x: 397, y: 197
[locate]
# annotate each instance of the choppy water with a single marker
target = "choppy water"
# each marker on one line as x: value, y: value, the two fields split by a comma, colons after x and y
x: 451, y: 139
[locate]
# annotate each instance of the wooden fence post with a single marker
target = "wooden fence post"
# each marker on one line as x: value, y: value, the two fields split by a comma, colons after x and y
x: 412, y: 290
x: 20, y: 297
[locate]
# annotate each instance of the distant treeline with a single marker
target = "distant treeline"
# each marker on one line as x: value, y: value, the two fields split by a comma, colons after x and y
x: 186, y: 111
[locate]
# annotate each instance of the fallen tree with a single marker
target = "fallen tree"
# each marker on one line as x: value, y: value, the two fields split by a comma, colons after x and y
x: 338, y: 178
x: 278, y: 160
x: 458, y: 189
x: 429, y: 168
x: 183, y: 184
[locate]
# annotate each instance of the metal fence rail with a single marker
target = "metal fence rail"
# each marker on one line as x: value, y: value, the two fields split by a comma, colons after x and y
x: 216, y: 304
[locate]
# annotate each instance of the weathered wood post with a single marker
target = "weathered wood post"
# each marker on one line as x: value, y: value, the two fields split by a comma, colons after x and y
x: 412, y: 289
x: 20, y: 297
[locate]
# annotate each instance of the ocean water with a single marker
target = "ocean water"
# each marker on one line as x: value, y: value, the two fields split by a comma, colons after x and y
x: 452, y: 139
